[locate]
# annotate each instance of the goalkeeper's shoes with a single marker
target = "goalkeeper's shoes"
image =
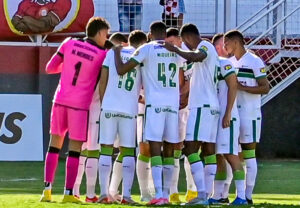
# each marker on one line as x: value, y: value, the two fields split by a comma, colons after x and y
x: 46, y: 196
x: 71, y: 199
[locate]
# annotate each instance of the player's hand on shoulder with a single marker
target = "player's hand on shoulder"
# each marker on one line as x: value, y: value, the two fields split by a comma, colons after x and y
x: 169, y: 46
x: 117, y: 48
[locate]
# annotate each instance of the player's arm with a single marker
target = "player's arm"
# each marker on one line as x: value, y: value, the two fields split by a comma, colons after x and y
x: 262, y: 88
x: 123, y: 68
x: 103, y: 81
x: 44, y: 24
x: 231, y: 82
x: 19, y: 25
x: 54, y: 66
x: 191, y: 56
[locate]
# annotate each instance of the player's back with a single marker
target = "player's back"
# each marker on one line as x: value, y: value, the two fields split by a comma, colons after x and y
x: 122, y: 91
x: 160, y: 74
x: 82, y: 61
x: 203, y: 88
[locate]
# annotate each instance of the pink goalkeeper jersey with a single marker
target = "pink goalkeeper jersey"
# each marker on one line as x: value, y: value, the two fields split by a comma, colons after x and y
x: 80, y: 71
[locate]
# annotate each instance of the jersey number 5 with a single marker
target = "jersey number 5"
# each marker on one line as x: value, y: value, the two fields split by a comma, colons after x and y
x: 162, y: 74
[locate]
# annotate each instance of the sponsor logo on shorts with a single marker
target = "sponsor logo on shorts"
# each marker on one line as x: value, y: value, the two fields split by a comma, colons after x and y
x: 157, y: 110
x: 169, y: 110
x: 107, y: 115
x: 214, y: 112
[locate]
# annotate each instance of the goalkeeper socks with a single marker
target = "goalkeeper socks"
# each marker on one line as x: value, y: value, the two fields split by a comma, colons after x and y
x: 168, y: 169
x: 251, y: 166
x: 105, y: 164
x: 72, y: 164
x: 81, y: 167
x: 51, y: 164
x: 156, y: 168
x: 116, y: 176
x: 210, y: 172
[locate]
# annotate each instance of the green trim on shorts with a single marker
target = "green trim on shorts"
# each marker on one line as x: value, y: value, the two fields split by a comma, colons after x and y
x: 84, y: 153
x: 197, y: 124
x: 193, y: 158
x: 231, y: 138
x: 156, y: 161
x: 126, y: 151
x: 254, y: 130
x: 206, y: 106
x: 120, y: 157
x: 210, y: 159
x: 177, y: 154
x: 93, y: 154
x: 239, y: 175
x: 107, y: 151
x: 168, y: 161
x: 221, y: 176
x: 248, y: 154
x: 144, y: 158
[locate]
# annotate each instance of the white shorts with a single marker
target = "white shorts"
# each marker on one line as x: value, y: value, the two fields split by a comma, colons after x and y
x: 250, y: 130
x: 202, y: 124
x: 92, y: 142
x: 161, y: 124
x: 182, y: 122
x: 140, y: 122
x: 121, y: 124
x: 228, y: 138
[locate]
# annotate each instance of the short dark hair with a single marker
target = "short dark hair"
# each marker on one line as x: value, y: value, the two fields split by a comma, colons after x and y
x: 118, y: 37
x: 189, y: 29
x: 158, y: 28
x: 96, y: 24
x: 172, y: 31
x: 217, y: 37
x: 235, y: 34
x: 136, y: 37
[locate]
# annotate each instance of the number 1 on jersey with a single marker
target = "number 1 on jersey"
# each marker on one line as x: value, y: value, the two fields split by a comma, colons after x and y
x: 77, y: 70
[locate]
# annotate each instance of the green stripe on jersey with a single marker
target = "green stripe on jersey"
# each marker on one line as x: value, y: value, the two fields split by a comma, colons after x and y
x: 247, y: 75
x: 105, y: 67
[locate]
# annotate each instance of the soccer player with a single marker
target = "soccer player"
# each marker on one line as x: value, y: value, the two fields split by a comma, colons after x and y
x: 252, y: 83
x: 88, y: 160
x: 119, y: 118
x: 161, y: 84
x: 79, y: 62
x: 203, y: 106
x: 227, y: 145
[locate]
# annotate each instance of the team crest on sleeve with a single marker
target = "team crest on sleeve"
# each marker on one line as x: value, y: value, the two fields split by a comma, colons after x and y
x: 228, y: 67
x: 263, y: 70
x: 204, y: 48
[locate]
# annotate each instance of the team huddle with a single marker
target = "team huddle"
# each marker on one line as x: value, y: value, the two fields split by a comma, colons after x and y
x: 158, y: 97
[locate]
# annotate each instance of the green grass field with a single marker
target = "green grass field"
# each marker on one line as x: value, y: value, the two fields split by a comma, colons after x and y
x: 21, y: 183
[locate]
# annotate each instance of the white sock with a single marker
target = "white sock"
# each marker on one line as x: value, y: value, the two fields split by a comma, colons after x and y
x: 91, y: 171
x: 128, y: 175
x: 104, y: 173
x: 210, y: 173
x: 116, y: 178
x: 167, y: 179
x: 81, y: 166
x: 157, y: 180
x: 175, y: 177
x: 250, y: 176
x: 188, y: 175
x: 227, y: 181
x: 240, y: 188
x: 218, y: 189
x: 198, y: 175
x: 143, y: 174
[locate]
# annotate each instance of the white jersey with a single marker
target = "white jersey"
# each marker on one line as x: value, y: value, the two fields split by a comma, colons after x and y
x: 122, y: 91
x: 226, y: 69
x: 250, y: 69
x: 203, y: 86
x: 160, y: 74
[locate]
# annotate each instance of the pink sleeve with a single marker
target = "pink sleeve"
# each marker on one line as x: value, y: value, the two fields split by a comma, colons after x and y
x: 54, y: 66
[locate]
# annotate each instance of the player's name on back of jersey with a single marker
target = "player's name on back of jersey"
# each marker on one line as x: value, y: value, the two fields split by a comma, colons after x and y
x: 166, y: 55
x: 85, y: 47
x: 83, y: 55
x: 110, y: 115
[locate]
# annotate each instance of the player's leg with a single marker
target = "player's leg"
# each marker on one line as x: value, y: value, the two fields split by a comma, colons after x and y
x: 81, y: 170
x: 58, y: 128
x: 168, y: 168
x: 108, y: 132
x: 191, y: 188
x: 229, y: 177
x: 116, y: 178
